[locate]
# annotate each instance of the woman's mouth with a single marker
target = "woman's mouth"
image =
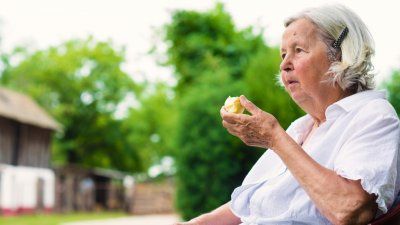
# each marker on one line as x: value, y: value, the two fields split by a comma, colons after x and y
x: 292, y: 85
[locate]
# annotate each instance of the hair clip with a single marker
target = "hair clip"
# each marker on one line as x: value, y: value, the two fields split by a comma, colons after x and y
x: 338, y: 42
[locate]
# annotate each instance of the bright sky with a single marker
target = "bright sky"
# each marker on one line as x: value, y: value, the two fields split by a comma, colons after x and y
x: 132, y: 23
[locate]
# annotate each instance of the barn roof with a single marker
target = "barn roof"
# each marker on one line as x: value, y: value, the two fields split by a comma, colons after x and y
x: 19, y: 107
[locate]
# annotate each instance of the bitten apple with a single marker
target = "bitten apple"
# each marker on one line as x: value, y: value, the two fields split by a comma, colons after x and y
x: 232, y: 104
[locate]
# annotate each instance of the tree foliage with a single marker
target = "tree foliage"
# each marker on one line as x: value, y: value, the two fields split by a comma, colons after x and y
x: 393, y: 87
x: 206, y: 41
x: 152, y: 123
x: 212, y: 60
x: 80, y: 83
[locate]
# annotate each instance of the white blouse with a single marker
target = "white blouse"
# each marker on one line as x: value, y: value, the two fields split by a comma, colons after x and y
x: 358, y: 140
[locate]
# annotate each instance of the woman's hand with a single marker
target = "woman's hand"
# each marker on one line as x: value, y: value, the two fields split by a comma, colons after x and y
x: 260, y: 129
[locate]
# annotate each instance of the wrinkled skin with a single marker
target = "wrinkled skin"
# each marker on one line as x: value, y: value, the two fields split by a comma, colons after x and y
x: 255, y: 130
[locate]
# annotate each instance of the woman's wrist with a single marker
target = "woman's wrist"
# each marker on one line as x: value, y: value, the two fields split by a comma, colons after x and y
x: 278, y: 139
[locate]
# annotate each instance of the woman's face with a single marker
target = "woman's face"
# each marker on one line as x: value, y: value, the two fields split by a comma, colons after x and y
x: 304, y: 62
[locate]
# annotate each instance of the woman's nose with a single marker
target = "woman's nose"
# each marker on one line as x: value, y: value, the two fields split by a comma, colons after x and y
x: 286, y: 64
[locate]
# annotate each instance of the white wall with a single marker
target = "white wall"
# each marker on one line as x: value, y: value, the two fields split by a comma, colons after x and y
x: 18, y: 187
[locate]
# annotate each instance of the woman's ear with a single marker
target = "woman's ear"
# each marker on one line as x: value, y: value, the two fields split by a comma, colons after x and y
x: 334, y: 55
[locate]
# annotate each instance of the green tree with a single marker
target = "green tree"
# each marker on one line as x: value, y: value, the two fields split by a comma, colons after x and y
x: 80, y: 82
x: 152, y: 123
x: 204, y: 41
x: 212, y: 60
x: 210, y: 161
x: 393, y: 87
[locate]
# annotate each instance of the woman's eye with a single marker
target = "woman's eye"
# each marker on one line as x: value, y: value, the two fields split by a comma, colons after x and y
x: 298, y: 50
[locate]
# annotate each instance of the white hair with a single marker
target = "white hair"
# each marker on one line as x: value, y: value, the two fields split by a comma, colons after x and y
x: 351, y: 67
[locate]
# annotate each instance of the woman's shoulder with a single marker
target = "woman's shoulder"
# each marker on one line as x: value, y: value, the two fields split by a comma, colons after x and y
x: 380, y: 108
x: 373, y: 115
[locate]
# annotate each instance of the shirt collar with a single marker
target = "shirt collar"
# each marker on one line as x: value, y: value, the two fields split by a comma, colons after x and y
x: 357, y: 100
x: 333, y: 111
x: 301, y: 126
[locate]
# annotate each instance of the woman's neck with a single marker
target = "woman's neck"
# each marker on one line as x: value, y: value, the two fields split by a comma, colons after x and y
x: 316, y: 107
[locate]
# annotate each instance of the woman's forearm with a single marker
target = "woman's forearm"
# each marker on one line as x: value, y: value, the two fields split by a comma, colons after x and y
x: 225, y: 216
x: 341, y: 200
x: 221, y: 216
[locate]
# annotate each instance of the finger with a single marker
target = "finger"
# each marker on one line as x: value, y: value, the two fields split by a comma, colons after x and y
x: 225, y: 116
x: 231, y: 128
x: 248, y: 105
x: 228, y: 125
x: 222, y: 111
x: 235, y: 118
x: 234, y: 132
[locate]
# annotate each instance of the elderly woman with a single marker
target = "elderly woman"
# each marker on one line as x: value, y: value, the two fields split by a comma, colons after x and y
x: 336, y: 165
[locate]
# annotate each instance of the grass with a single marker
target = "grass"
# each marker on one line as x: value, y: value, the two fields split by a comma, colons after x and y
x: 57, y: 219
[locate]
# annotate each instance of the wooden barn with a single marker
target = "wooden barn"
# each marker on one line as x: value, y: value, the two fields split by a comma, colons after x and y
x: 26, y: 180
x: 28, y: 183
x: 25, y: 131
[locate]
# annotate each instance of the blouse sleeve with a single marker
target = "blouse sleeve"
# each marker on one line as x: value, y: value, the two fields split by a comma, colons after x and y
x: 370, y: 155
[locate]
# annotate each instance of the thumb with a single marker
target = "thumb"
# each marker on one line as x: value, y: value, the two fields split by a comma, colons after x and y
x: 248, y: 105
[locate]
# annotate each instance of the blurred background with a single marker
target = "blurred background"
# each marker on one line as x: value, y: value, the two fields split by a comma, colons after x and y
x: 109, y: 110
